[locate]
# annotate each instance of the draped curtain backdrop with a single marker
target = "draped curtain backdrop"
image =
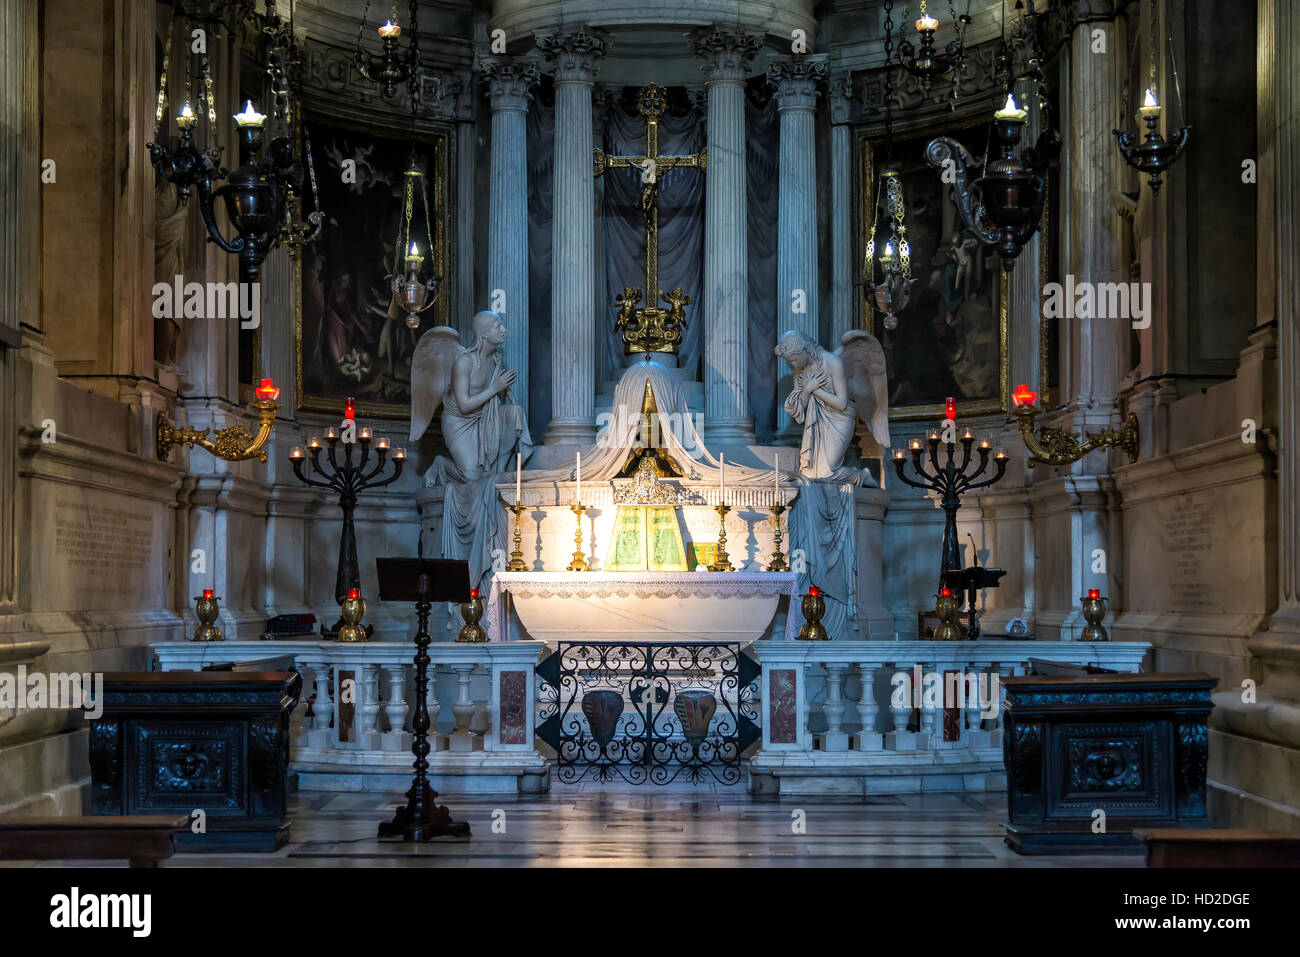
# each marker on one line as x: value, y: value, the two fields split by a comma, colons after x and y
x: 682, y: 130
x: 681, y: 226
x: 541, y: 200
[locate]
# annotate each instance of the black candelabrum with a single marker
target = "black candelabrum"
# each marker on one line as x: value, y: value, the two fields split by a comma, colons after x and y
x: 950, y: 480
x: 349, y: 479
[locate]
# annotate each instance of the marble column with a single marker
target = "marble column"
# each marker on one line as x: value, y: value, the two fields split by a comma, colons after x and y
x: 573, y: 267
x: 19, y: 246
x: 727, y: 56
x: 509, y: 84
x: 466, y: 303
x: 797, y: 81
x: 843, y: 308
x: 601, y: 99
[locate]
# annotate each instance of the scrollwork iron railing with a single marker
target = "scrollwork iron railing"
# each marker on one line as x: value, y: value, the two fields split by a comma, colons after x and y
x: 648, y: 712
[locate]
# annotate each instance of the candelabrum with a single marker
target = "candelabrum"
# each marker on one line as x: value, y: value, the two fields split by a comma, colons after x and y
x: 722, y: 562
x: 517, y: 556
x: 1056, y: 447
x: 778, y: 560
x: 951, y: 481
x: 233, y: 444
x: 1003, y: 208
x: 349, y: 479
x: 579, y: 563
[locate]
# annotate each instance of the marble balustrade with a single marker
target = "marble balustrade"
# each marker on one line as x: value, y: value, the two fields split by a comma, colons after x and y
x: 863, y: 744
x: 481, y: 702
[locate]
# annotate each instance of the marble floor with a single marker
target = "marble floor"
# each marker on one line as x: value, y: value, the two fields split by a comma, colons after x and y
x: 602, y: 825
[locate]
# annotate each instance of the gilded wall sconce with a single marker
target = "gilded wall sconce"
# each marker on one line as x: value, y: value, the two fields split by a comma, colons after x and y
x: 233, y: 444
x: 1056, y: 447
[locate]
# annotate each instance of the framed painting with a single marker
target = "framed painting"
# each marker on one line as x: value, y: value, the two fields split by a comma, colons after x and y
x: 951, y: 338
x: 351, y: 339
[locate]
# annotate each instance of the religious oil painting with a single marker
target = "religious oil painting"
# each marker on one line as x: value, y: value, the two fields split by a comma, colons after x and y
x: 951, y: 336
x: 352, y: 339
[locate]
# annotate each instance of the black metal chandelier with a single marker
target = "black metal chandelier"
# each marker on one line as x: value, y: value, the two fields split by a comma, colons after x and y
x: 259, y: 194
x: 1154, y: 154
x: 391, y: 67
x: 925, y: 59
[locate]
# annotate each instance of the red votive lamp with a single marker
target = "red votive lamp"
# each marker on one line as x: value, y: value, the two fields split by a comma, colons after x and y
x: 1094, y: 593
x: 473, y: 593
x: 209, y: 593
x: 267, y: 391
x: 950, y: 408
x: 945, y: 592
x: 814, y: 590
x: 349, y: 408
x: 354, y: 593
x: 1023, y: 397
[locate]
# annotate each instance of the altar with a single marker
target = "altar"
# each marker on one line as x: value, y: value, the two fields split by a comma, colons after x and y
x: 741, y: 606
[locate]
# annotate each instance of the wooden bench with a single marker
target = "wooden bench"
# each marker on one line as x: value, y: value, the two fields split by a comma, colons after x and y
x: 143, y: 840
x: 1209, y: 847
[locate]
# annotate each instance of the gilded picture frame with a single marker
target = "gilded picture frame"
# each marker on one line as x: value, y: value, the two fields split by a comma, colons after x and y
x: 343, y: 330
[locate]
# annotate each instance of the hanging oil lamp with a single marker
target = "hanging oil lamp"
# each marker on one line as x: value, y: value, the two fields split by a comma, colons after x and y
x: 891, y: 293
x: 412, y: 294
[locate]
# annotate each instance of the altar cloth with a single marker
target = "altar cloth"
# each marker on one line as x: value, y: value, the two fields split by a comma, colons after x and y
x: 643, y: 606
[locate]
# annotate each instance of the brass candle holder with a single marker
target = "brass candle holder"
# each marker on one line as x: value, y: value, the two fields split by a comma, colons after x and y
x: 517, y: 556
x: 579, y: 563
x: 233, y: 444
x: 778, y: 560
x: 813, y: 608
x: 947, y: 606
x: 472, y: 612
x: 206, y: 609
x: 352, y: 609
x: 1093, y: 606
x: 722, y: 563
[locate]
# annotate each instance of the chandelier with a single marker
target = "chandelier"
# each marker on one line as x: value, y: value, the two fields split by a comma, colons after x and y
x: 1154, y: 154
x: 391, y: 67
x: 259, y: 194
x: 924, y: 59
x: 891, y: 293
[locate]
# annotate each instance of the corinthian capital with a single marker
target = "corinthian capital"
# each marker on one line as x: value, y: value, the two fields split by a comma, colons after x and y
x: 509, y: 80
x: 575, y: 56
x: 727, y: 54
x: 841, y: 94
x: 797, y: 81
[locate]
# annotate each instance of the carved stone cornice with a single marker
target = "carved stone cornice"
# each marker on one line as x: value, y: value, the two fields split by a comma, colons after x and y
x: 510, y: 81
x: 574, y: 56
x: 330, y: 80
x: 727, y: 54
x: 797, y: 81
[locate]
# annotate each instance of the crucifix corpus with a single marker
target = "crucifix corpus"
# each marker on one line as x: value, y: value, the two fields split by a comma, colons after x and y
x: 651, y: 328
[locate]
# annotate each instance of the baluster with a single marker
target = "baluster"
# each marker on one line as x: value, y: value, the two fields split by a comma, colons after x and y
x: 929, y: 716
x: 367, y: 710
x: 834, y: 739
x: 323, y: 709
x: 462, y: 739
x: 869, y: 738
x: 437, y: 742
x: 974, y: 703
x: 806, y: 736
x: 395, y: 709
x: 1002, y: 671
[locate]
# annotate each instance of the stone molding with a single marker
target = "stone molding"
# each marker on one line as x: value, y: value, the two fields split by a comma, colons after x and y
x: 575, y: 56
x: 510, y: 81
x: 797, y: 82
x: 727, y: 54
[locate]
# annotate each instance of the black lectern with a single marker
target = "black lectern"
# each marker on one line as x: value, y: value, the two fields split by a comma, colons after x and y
x: 423, y: 581
x: 971, y: 580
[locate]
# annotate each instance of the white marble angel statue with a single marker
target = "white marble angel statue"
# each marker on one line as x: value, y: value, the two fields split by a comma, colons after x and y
x: 481, y: 425
x: 830, y: 391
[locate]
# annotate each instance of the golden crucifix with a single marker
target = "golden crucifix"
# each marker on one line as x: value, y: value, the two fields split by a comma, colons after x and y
x: 650, y: 328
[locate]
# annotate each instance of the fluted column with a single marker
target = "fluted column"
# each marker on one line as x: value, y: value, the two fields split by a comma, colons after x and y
x: 842, y: 304
x: 509, y: 88
x: 467, y: 184
x: 573, y: 266
x: 727, y: 56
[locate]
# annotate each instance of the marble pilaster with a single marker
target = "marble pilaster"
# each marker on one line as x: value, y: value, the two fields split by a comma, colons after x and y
x: 797, y: 82
x: 575, y: 58
x: 466, y: 187
x: 509, y: 83
x: 727, y: 56
x: 843, y: 313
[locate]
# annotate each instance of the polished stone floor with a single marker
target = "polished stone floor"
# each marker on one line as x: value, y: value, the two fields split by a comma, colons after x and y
x: 602, y: 825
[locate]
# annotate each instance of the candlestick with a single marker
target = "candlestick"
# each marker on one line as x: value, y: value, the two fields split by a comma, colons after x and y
x: 365, y: 435
x: 517, y: 556
x: 250, y: 116
x: 722, y: 563
x: 382, y: 443
x: 579, y: 563
x: 778, y: 560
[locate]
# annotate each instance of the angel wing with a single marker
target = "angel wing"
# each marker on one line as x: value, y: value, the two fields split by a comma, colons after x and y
x: 431, y: 364
x: 864, y: 372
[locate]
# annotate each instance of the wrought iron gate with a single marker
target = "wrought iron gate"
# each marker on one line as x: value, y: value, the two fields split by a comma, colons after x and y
x: 648, y: 712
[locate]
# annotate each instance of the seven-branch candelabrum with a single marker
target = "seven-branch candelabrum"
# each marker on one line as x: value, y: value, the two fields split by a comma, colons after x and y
x: 951, y: 480
x: 347, y: 475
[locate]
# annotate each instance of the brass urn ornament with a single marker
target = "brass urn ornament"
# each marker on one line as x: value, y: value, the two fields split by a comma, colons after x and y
x: 1055, y: 447
x: 813, y: 608
x: 472, y: 612
x: 206, y: 609
x: 1093, y: 606
x: 352, y: 610
x: 947, y: 606
x: 233, y: 444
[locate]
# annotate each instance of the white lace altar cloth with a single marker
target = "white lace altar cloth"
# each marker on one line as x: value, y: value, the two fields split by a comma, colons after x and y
x: 642, y: 606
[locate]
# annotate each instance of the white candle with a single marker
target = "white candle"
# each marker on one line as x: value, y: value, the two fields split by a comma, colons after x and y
x: 776, y: 480
x: 578, y: 473
x: 519, y: 464
x: 722, y: 460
